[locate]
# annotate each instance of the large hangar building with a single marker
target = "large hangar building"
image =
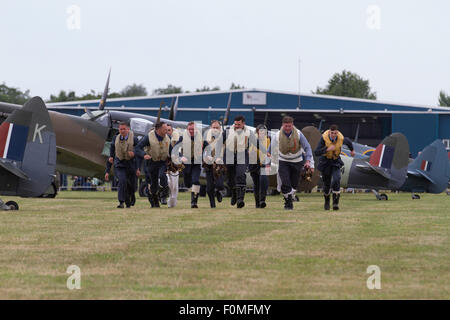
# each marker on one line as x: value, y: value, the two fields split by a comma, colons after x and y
x: 370, y: 120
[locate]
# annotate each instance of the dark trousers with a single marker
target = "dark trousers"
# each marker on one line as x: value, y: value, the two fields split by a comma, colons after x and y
x: 260, y: 182
x: 331, y: 179
x: 191, y: 175
x: 289, y: 174
x: 157, y: 170
x: 147, y: 172
x: 236, y: 175
x: 127, y: 183
x: 212, y: 182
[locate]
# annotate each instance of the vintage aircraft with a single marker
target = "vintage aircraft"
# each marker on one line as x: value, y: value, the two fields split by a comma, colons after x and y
x: 386, y: 169
x: 433, y: 178
x: 429, y: 172
x: 27, y: 151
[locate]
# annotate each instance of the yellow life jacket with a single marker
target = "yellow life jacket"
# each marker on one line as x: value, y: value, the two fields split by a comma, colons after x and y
x: 123, y: 146
x: 338, y: 143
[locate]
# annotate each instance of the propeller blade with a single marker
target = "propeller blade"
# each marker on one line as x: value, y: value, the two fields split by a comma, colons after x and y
x: 173, y: 110
x: 102, y: 104
x: 265, y: 119
x: 159, y: 112
x: 227, y: 112
x: 357, y: 133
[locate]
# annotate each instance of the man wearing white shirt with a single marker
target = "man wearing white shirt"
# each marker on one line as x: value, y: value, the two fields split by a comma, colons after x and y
x: 293, y: 148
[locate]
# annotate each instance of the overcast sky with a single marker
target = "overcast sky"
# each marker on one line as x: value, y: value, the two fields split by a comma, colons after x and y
x: 402, y: 47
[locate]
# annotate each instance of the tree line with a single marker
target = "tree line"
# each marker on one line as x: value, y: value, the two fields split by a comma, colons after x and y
x: 344, y: 84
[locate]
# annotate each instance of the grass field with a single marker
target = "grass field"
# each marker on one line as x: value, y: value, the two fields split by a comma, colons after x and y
x: 226, y: 253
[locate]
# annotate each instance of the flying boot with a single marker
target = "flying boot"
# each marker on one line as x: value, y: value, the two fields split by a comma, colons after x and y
x: 336, y: 197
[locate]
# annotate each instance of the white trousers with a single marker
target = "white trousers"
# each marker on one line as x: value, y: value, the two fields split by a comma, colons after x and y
x: 172, y: 180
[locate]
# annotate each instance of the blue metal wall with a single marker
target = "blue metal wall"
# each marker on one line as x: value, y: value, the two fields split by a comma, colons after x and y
x: 444, y: 126
x: 419, y: 129
x: 274, y: 101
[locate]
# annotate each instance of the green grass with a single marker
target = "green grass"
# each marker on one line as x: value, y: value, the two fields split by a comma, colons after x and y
x: 226, y: 253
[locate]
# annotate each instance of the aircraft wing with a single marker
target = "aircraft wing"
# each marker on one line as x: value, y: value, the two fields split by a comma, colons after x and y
x: 377, y: 170
x: 10, y: 167
x: 8, y: 108
x: 420, y: 174
x: 74, y: 164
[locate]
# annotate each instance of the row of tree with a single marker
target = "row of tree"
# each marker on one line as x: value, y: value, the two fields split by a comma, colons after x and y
x: 348, y: 84
x: 134, y: 90
x: 345, y: 84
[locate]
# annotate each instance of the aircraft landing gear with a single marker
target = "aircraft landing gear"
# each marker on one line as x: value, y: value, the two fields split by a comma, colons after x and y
x: 415, y: 196
x: 382, y: 196
x: 10, y: 205
x: 51, y: 192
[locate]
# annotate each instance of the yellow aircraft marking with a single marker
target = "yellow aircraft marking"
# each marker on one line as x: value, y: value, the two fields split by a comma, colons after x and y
x: 369, y: 150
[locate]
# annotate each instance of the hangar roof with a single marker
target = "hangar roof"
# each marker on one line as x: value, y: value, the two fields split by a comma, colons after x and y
x: 256, y: 100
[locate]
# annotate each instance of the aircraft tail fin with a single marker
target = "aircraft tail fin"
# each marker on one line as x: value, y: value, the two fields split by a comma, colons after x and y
x: 432, y: 164
x: 391, y: 153
x: 389, y: 160
x: 27, y: 151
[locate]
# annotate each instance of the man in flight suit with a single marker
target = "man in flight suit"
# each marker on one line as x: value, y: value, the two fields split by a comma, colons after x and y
x: 191, y: 148
x: 157, y: 147
x: 213, y: 162
x: 237, y: 141
x: 330, y: 163
x: 125, y: 169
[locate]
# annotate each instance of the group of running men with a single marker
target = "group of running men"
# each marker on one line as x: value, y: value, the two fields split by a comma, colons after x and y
x: 224, y: 154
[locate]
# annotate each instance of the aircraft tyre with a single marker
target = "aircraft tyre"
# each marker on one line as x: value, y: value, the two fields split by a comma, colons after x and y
x: 383, y: 196
x: 13, y: 205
